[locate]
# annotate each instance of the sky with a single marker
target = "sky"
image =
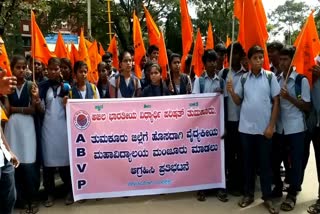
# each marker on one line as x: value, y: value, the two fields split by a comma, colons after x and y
x: 270, y: 5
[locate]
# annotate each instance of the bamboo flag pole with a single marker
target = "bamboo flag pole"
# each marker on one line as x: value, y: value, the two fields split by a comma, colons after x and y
x: 231, y: 51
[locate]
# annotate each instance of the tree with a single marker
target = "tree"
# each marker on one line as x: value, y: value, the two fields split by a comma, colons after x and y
x: 219, y: 12
x: 287, y: 19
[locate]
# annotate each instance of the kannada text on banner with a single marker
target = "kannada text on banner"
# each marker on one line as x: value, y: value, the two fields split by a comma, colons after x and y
x: 143, y: 146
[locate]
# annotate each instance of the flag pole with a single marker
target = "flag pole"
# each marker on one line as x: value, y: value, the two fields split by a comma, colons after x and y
x: 231, y: 51
x: 32, y: 51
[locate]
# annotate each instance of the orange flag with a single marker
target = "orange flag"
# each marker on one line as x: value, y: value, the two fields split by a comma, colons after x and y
x: 4, y: 61
x: 88, y: 43
x: 84, y: 56
x: 95, y: 57
x: 238, y: 8
x: 139, y: 50
x: 228, y: 41
x: 252, y: 29
x: 101, y: 51
x: 186, y: 32
x: 153, y: 31
x: 198, y: 51
x: 113, y: 48
x: 307, y: 48
x: 74, y: 55
x: 210, y: 40
x: 39, y: 47
x: 225, y: 62
x: 60, y: 49
x: 163, y: 57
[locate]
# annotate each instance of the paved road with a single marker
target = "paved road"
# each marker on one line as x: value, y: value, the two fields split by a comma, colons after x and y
x: 183, y: 203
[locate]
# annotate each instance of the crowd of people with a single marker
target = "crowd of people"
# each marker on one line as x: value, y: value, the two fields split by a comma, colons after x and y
x: 274, y: 113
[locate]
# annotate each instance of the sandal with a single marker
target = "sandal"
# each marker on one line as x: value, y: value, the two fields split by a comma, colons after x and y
x: 49, y: 202
x: 69, y: 199
x: 270, y: 207
x: 30, y: 210
x: 222, y: 195
x: 288, y: 204
x: 245, y: 201
x: 201, y: 196
x: 314, y: 208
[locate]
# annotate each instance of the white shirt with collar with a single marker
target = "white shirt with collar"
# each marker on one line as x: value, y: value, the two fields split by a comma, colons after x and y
x: 211, y: 85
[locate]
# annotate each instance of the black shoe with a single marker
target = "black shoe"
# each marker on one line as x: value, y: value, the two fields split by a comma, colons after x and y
x: 276, y: 192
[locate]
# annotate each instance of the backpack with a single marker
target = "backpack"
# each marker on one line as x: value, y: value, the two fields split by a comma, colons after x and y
x: 310, y: 117
x: 202, y: 82
x: 245, y: 76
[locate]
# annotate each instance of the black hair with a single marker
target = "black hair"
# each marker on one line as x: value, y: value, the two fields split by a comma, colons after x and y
x: 78, y: 65
x: 209, y: 54
x: 101, y: 64
x: 122, y: 54
x: 157, y: 66
x: 189, y: 60
x: 288, y: 51
x: 130, y: 49
x: 276, y: 45
x: 255, y: 49
x: 15, y: 60
x: 172, y: 56
x: 152, y: 48
x: 54, y: 61
x: 169, y: 52
x: 237, y: 48
x: 220, y: 48
x: 67, y: 62
x: 107, y: 56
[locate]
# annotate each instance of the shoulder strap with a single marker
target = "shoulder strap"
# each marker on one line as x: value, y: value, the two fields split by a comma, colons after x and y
x: 117, y: 83
x: 201, y: 84
x: 225, y: 73
x: 94, y: 89
x: 269, y: 76
x: 135, y: 83
x: 29, y: 86
x: 297, y: 85
x: 222, y: 84
x: 243, y: 81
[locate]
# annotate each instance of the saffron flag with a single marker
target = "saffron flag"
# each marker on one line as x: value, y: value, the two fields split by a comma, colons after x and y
x: 95, y: 58
x: 113, y: 48
x: 153, y: 31
x: 88, y: 43
x: 307, y: 48
x: 210, y: 40
x: 198, y: 51
x: 4, y: 61
x: 163, y: 57
x: 84, y: 56
x: 226, y: 62
x: 101, y: 51
x: 74, y: 55
x: 60, y: 49
x: 186, y: 32
x: 139, y: 49
x: 39, y: 47
x: 252, y: 29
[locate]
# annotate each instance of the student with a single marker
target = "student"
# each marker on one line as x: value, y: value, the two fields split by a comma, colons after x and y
x: 107, y: 58
x: 233, y: 148
x: 274, y: 49
x: 38, y: 70
x: 210, y: 82
x: 21, y: 135
x: 178, y: 83
x: 153, y: 53
x: 66, y: 71
x: 291, y: 123
x: 51, y: 99
x: 8, y: 161
x: 156, y: 86
x: 82, y: 88
x: 125, y: 85
x: 103, y: 83
x: 313, y: 134
x: 145, y: 80
x: 221, y: 50
x: 258, y: 93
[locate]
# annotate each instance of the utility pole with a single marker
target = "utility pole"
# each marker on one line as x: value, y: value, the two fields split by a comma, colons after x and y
x: 89, y: 18
x: 109, y: 21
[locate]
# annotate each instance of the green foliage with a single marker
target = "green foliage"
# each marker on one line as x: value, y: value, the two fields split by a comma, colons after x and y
x: 287, y: 19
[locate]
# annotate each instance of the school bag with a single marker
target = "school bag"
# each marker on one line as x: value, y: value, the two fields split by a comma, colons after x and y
x: 132, y: 79
x: 93, y: 88
x: 310, y: 117
x: 202, y: 82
